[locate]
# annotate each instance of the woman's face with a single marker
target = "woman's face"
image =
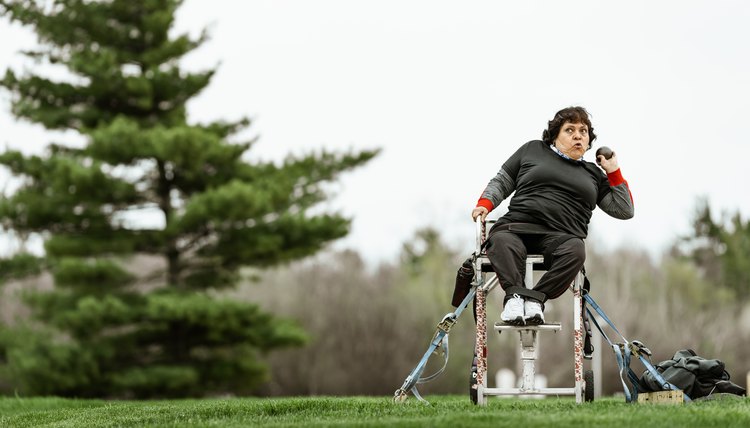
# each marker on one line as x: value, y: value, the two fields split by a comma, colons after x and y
x: 573, y: 139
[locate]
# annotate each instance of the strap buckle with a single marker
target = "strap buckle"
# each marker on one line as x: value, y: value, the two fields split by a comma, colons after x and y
x: 638, y: 348
x: 447, y: 322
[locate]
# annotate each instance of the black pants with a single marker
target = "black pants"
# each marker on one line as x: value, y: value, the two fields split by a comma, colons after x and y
x: 507, y: 253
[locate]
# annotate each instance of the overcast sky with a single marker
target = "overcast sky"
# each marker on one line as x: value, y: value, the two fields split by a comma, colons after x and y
x: 449, y: 90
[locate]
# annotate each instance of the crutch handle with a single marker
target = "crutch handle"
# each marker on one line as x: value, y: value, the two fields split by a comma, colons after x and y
x: 480, y: 227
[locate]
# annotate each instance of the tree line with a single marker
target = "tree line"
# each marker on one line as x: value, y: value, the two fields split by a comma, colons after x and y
x: 370, y: 327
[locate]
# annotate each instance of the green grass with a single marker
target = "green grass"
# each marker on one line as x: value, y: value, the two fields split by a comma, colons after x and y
x: 448, y: 411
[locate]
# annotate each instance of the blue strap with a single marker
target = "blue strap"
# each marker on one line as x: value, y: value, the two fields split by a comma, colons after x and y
x: 621, y: 366
x: 659, y: 378
x: 464, y: 303
x: 439, y: 339
x: 414, y: 377
x: 634, y: 380
x: 623, y: 356
x: 444, y: 349
x: 622, y: 361
x: 596, y: 323
x: 599, y: 310
x: 627, y: 372
x: 419, y: 397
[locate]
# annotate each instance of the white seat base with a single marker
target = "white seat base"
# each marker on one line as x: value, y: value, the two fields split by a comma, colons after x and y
x: 552, y: 326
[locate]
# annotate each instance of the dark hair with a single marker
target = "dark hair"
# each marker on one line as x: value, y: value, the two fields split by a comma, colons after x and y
x: 572, y: 115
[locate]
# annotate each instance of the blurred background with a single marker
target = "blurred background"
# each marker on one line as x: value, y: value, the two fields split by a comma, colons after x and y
x: 273, y: 197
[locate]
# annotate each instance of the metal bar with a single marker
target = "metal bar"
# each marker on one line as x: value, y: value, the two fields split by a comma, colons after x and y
x: 491, y: 283
x: 519, y: 391
x: 480, y: 300
x: 552, y: 327
x: 578, y: 337
x: 529, y: 352
x: 481, y: 341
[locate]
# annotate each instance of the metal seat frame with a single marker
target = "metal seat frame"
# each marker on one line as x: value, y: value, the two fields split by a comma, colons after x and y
x: 528, y: 334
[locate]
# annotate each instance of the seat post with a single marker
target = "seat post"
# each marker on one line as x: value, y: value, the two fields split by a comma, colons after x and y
x: 529, y: 353
x: 529, y: 338
x: 528, y: 279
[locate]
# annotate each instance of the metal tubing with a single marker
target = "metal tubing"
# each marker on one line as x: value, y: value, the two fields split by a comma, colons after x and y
x: 528, y: 335
x: 490, y: 284
x: 481, y: 342
x: 540, y: 391
x: 551, y: 326
x: 578, y: 337
x: 480, y: 300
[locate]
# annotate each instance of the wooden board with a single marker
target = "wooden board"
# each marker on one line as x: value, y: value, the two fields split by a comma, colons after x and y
x: 662, y: 397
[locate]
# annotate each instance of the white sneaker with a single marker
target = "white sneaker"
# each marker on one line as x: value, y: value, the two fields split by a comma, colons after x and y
x: 513, y: 311
x: 534, y: 314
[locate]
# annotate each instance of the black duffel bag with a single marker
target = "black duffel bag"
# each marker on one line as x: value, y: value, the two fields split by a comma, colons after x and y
x: 694, y: 375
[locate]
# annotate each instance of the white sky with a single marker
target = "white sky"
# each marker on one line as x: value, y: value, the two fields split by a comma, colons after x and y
x: 449, y: 90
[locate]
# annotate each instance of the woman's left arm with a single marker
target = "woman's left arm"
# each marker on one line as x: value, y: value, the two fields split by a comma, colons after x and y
x: 617, y: 201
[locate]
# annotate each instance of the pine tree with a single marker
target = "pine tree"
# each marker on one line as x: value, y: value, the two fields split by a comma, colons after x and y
x: 105, y: 333
x: 720, y: 249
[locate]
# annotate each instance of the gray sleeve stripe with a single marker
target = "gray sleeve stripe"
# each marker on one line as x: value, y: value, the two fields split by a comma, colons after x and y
x: 617, y: 203
x: 499, y: 188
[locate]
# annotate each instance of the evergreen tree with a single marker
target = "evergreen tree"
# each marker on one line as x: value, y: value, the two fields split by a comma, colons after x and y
x: 720, y: 249
x: 107, y: 333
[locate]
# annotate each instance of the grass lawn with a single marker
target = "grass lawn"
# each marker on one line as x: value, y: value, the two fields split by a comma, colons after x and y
x: 448, y: 411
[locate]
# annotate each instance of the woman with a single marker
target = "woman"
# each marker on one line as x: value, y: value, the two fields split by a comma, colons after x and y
x: 556, y: 192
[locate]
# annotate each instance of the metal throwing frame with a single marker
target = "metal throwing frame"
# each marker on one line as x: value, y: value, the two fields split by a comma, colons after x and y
x: 528, y: 334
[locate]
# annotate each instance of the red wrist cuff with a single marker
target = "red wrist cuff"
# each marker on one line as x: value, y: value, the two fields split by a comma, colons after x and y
x: 615, y: 178
x: 484, y: 202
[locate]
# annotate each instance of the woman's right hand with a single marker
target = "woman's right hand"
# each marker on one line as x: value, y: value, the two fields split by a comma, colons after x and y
x: 479, y: 212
